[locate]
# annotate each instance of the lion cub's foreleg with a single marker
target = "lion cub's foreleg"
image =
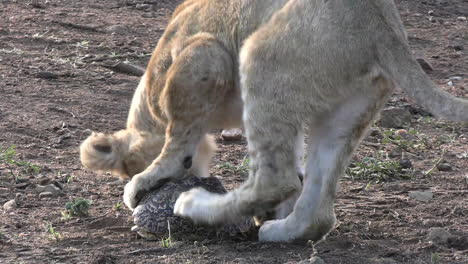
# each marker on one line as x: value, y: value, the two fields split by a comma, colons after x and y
x: 273, y: 174
x: 196, y: 84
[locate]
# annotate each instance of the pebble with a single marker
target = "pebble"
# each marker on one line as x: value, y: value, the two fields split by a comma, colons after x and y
x: 439, y: 236
x: 450, y: 83
x: 461, y: 18
x: 149, y: 15
x: 421, y: 196
x: 425, y: 64
x: 10, y: 205
x: 142, y: 6
x: 371, y: 139
x: 316, y: 260
x: 456, y: 78
x: 395, y: 153
x: 384, y: 261
x: 458, y: 47
x: 393, y: 117
x: 117, y: 29
x: 373, y: 132
x: 50, y: 188
x: 402, y: 133
x: 44, y: 181
x: 232, y: 134
x: 47, y: 75
x: 406, y: 163
x: 444, y: 167
x: 46, y: 195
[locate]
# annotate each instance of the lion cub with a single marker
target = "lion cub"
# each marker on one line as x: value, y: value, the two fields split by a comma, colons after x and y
x: 329, y: 65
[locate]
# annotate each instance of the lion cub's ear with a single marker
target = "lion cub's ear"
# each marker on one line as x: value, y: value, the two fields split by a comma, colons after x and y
x: 103, y: 148
x: 101, y: 142
x: 98, y: 153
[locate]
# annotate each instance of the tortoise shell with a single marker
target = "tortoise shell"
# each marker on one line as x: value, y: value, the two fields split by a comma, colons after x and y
x: 153, y: 217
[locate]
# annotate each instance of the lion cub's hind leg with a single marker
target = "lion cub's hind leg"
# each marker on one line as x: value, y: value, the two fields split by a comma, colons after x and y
x: 332, y: 141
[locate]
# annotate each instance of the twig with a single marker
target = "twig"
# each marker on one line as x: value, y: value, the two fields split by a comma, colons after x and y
x: 61, y: 110
x: 427, y: 173
x: 126, y: 68
x: 78, y: 26
x: 147, y: 250
x: 370, y: 144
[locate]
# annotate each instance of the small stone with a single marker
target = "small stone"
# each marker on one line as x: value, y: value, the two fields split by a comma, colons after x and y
x: 50, y: 188
x: 10, y: 205
x: 316, y: 260
x: 395, y: 153
x: 232, y: 134
x: 375, y: 133
x: 395, y: 117
x: 444, y: 167
x: 425, y: 64
x: 402, y: 133
x: 121, y: 3
x: 406, y: 164
x: 47, y: 75
x: 456, y: 78
x: 439, y: 236
x: 46, y: 195
x: 461, y: 18
x: 117, y: 29
x: 458, y: 47
x: 450, y: 83
x: 421, y: 196
x: 44, y: 181
x: 384, y: 261
x: 371, y: 140
x: 142, y: 6
x: 149, y: 15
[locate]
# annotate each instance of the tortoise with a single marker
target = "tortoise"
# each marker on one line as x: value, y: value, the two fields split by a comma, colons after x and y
x: 154, y: 218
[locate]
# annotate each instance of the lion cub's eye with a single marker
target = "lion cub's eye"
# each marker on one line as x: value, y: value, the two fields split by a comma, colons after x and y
x: 187, y: 162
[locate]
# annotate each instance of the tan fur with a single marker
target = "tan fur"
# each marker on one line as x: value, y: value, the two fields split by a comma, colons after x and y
x: 329, y: 65
x: 128, y: 152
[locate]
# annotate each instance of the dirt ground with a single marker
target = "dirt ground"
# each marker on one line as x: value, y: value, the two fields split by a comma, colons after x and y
x: 56, y: 86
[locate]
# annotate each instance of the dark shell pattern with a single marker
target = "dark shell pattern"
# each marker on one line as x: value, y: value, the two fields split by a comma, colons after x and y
x: 154, y: 215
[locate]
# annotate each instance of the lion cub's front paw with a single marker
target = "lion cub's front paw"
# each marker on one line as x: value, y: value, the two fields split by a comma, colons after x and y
x: 274, y: 231
x: 132, y: 193
x: 198, y: 205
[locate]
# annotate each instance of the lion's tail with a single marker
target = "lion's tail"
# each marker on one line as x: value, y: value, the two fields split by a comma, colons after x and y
x: 105, y: 152
x: 405, y: 71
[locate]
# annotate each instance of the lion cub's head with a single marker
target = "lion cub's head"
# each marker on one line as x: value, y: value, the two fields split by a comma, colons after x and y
x: 120, y: 153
